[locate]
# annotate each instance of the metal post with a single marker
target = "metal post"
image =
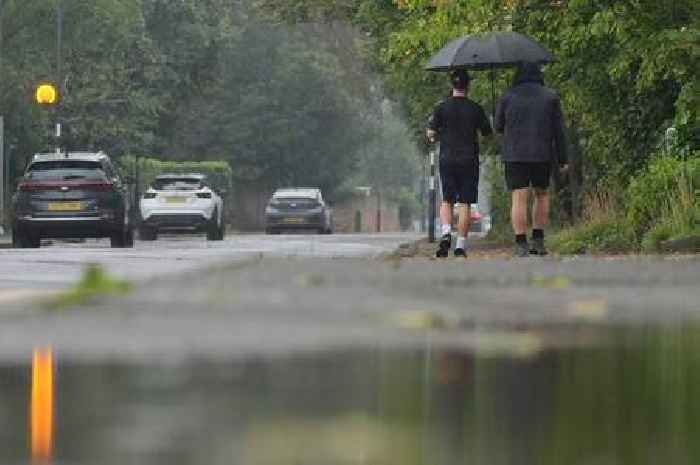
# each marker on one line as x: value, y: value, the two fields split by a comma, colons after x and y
x: 2, y: 139
x: 379, y: 211
x: 59, y: 72
x: 432, y: 198
x: 2, y: 175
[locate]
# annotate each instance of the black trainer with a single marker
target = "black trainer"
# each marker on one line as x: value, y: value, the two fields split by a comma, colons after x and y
x: 521, y: 249
x: 460, y: 253
x: 445, y: 245
x: 537, y: 247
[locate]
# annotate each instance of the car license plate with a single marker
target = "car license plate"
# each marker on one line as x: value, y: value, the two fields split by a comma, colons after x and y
x: 175, y: 200
x: 65, y: 206
x: 294, y: 220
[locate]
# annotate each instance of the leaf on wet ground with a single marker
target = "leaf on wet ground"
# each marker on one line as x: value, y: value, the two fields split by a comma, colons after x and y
x: 551, y: 282
x: 311, y: 280
x: 95, y: 282
x: 417, y: 320
x: 591, y: 309
x: 510, y: 344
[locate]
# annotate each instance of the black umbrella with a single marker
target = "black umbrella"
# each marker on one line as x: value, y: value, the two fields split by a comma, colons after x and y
x: 489, y: 51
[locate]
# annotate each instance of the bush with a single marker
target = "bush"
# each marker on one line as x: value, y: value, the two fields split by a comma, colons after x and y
x: 651, y: 242
x: 679, y: 218
x: 655, y: 191
x: 599, y: 236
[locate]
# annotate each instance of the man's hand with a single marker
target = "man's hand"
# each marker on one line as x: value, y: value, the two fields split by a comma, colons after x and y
x: 432, y: 135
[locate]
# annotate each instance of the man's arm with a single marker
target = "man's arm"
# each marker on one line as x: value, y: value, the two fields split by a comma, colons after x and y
x: 484, y: 124
x: 500, y: 123
x: 434, y: 124
x: 560, y: 147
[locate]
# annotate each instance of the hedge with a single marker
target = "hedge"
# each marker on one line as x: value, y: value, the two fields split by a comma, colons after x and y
x: 219, y: 173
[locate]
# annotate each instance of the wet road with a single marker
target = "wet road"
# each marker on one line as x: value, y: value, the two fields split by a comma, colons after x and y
x: 310, y: 355
x: 26, y: 272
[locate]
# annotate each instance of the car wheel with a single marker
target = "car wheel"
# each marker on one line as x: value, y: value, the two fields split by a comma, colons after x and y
x: 147, y: 233
x: 129, y: 238
x: 213, y: 227
x: 22, y: 239
x: 221, y: 233
x: 122, y: 239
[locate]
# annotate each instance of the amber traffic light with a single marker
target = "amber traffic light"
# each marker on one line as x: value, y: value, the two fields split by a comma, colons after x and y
x: 46, y: 94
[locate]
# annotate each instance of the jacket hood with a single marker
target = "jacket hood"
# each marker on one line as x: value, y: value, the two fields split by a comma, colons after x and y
x: 528, y: 72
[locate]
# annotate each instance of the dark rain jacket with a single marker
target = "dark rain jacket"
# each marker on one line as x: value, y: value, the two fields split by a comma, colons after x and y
x: 457, y: 120
x: 530, y: 117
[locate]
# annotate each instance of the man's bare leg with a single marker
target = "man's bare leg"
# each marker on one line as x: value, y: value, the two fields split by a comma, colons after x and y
x: 446, y: 217
x: 463, y: 210
x: 518, y: 216
x: 540, y: 219
x: 446, y: 222
x: 540, y: 211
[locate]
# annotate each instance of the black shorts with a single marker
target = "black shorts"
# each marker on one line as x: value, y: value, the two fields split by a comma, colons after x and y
x: 459, y: 180
x: 521, y: 175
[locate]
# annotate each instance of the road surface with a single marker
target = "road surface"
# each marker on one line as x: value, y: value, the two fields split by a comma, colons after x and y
x: 29, y: 272
x: 276, y: 294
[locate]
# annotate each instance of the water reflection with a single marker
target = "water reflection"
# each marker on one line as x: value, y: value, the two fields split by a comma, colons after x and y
x: 635, y: 401
x: 41, y: 407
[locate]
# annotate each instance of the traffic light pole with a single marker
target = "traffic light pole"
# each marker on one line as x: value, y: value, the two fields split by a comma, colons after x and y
x: 59, y: 70
x: 431, y: 198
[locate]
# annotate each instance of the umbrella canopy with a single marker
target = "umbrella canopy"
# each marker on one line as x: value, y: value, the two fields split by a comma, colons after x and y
x: 488, y: 51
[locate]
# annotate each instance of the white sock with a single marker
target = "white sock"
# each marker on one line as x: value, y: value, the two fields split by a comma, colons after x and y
x: 461, y: 242
x: 446, y: 229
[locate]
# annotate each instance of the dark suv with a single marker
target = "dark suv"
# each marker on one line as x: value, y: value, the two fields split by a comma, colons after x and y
x: 75, y: 195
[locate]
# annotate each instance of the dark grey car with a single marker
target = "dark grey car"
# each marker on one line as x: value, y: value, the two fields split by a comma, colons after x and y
x: 78, y: 195
x: 298, y: 209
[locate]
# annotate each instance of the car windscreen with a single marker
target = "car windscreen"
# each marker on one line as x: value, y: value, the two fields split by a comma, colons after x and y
x: 177, y: 184
x: 66, y: 170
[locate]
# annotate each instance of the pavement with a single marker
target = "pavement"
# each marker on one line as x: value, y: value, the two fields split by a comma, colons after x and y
x: 255, y: 295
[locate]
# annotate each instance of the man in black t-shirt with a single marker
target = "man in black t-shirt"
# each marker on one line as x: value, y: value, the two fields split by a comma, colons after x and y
x: 456, y: 121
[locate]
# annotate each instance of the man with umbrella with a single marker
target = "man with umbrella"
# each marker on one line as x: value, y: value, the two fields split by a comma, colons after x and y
x: 529, y: 116
x: 456, y: 122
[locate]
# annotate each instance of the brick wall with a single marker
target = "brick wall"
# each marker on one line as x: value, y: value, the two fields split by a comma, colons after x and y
x: 345, y: 213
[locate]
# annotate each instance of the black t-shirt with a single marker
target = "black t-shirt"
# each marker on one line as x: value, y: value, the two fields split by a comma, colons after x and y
x: 457, y: 120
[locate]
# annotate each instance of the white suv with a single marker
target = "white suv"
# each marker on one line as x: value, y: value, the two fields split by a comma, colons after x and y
x: 181, y: 203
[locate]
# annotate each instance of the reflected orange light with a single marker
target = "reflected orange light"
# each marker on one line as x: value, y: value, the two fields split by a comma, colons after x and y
x: 42, y: 406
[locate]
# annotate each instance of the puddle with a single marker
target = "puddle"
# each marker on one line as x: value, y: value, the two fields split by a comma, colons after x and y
x: 634, y: 401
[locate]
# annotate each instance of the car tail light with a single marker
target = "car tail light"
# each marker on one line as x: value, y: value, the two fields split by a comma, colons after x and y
x: 149, y: 195
x: 204, y: 195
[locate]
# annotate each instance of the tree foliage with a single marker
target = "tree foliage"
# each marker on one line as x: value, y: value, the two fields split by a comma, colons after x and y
x: 626, y: 69
x: 194, y: 80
